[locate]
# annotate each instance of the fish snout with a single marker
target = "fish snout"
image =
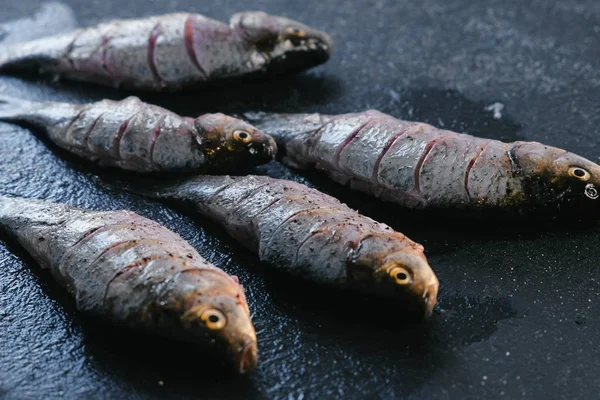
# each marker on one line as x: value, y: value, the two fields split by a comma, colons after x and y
x: 248, y: 356
x: 315, y: 49
x: 324, y: 42
x: 271, y: 147
x: 429, y: 298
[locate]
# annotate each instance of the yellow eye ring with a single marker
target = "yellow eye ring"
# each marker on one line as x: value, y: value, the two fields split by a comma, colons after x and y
x: 579, y: 173
x: 213, y: 319
x: 242, y: 136
x: 400, y: 275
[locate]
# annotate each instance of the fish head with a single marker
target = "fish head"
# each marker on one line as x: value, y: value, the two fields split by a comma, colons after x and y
x: 282, y: 44
x: 556, y: 179
x: 218, y: 309
x: 394, y: 265
x: 232, y: 145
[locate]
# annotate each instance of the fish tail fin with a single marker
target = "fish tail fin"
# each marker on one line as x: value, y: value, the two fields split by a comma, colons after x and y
x: 14, y: 109
x: 51, y: 18
x: 185, y: 189
x: 7, y: 56
x: 5, y: 203
x: 13, y: 207
x: 7, y: 200
x: 43, y: 115
x: 30, y: 56
x: 25, y: 218
x: 143, y: 186
x: 149, y: 189
x: 17, y: 57
x: 30, y: 42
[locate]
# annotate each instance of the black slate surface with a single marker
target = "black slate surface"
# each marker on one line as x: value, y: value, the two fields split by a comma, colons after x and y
x: 517, y: 315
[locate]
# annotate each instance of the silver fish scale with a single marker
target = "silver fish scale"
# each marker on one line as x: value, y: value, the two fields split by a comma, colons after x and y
x: 376, y: 134
x: 104, y: 253
x: 491, y: 176
x: 439, y: 186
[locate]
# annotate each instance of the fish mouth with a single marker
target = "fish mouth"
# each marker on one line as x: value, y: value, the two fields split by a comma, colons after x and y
x: 326, y: 43
x: 308, y: 53
x: 429, y: 299
x: 271, y: 146
x: 322, y: 43
x: 248, y: 356
x: 267, y: 152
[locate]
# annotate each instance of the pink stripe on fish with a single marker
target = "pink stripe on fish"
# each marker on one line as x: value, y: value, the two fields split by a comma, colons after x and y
x: 189, y: 43
x: 89, y: 235
x: 154, y: 34
x: 470, y: 166
x: 219, y: 190
x: 119, y: 137
x: 251, y: 192
x: 72, y: 123
x: 155, y: 134
x: 104, y: 57
x: 69, y: 50
x: 136, y: 264
x: 313, y: 233
x: 108, y: 62
x: 295, y: 214
x: 419, y: 165
x: 346, y: 142
x: 386, y: 148
x: 89, y: 132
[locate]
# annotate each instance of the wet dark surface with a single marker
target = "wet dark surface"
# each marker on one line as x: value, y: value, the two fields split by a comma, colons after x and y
x: 517, y: 315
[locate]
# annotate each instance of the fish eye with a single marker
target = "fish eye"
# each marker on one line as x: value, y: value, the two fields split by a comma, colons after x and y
x: 213, y: 319
x: 400, y: 275
x: 242, y: 136
x: 579, y: 173
x: 295, y: 32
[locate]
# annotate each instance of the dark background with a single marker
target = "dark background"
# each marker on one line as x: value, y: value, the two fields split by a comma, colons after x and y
x: 517, y: 314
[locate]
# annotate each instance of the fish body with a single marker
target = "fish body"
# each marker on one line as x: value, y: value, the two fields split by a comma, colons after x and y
x: 141, y: 137
x: 133, y: 271
x: 172, y: 51
x: 420, y: 166
x: 309, y: 234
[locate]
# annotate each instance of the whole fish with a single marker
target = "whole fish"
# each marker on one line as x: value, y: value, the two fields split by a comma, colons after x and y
x: 419, y: 166
x: 309, y: 234
x: 133, y: 271
x: 172, y: 51
x: 141, y: 137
